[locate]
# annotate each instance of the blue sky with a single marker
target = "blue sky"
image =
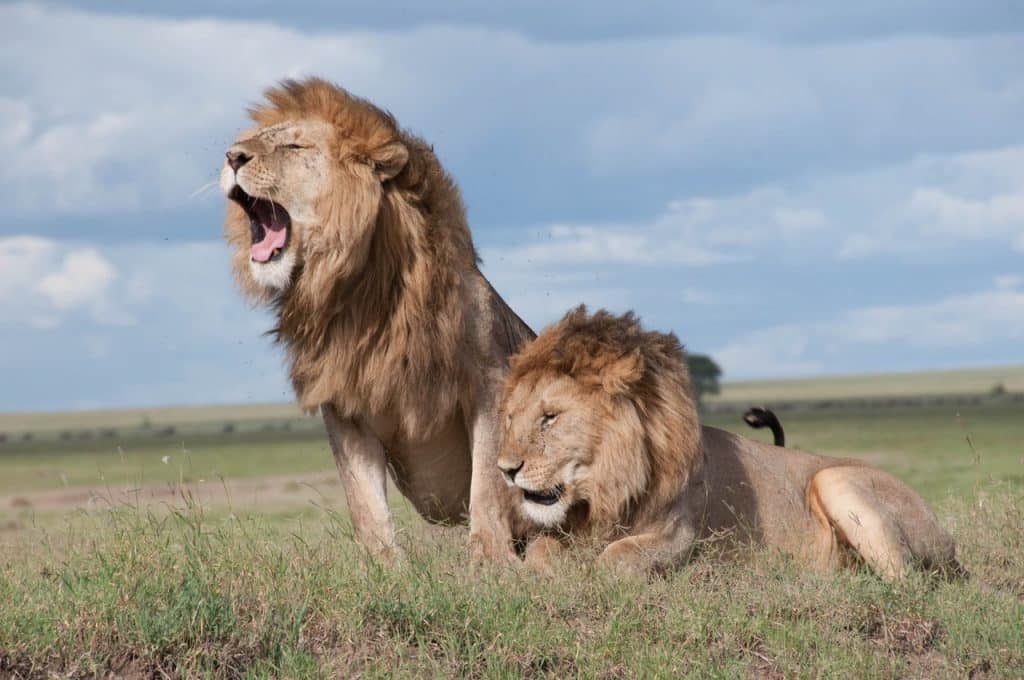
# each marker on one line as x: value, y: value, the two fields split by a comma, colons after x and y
x: 795, y: 188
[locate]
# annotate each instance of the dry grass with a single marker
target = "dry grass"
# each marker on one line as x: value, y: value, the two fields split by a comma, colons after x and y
x: 46, y: 421
x: 182, y: 594
x: 970, y: 381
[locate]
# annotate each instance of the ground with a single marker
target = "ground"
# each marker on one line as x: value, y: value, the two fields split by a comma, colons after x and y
x: 214, y: 542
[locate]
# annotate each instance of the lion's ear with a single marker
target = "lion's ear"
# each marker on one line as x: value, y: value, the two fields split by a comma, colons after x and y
x: 618, y: 376
x: 388, y: 160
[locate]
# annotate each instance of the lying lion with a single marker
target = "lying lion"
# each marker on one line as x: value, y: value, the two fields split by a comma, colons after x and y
x: 355, y: 236
x: 602, y: 437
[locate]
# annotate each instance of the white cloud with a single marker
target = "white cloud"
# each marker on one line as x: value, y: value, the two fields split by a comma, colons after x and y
x: 972, y: 198
x: 138, y: 118
x: 777, y: 351
x: 642, y: 244
x: 940, y: 202
x: 83, y: 276
x: 696, y: 232
x: 42, y: 281
x: 65, y: 308
x: 542, y: 292
x: 994, y: 316
x: 943, y: 213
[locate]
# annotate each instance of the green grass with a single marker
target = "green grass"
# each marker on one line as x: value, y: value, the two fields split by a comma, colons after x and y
x: 183, y: 594
x: 938, y: 450
x: 925, y: 445
x: 131, y: 419
x: 277, y: 587
x: 186, y: 458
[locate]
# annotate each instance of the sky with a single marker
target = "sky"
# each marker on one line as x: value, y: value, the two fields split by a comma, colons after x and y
x: 796, y: 188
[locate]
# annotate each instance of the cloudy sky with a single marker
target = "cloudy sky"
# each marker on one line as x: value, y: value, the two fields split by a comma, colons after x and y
x: 796, y: 188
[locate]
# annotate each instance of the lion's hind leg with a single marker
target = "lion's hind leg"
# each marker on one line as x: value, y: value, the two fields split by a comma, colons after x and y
x: 882, y: 520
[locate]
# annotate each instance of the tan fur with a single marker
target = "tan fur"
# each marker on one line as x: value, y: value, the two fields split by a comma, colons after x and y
x: 625, y: 411
x: 386, y: 317
x: 634, y: 468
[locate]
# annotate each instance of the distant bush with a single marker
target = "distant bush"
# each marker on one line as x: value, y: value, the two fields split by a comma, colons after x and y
x: 229, y: 428
x: 998, y: 390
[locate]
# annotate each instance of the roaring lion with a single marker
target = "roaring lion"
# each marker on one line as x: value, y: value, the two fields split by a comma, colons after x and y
x: 351, y: 231
x: 602, y: 438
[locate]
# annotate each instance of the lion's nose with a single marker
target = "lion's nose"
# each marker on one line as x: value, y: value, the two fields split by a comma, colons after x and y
x: 511, y: 471
x: 237, y: 159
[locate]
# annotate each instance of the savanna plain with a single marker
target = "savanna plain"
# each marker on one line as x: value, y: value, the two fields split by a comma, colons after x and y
x: 213, y: 542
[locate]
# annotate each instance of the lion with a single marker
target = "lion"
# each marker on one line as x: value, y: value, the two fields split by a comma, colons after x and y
x: 353, y: 234
x: 602, y: 438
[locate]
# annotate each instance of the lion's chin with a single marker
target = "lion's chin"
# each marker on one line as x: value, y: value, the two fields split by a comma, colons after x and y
x: 546, y: 515
x: 276, y: 274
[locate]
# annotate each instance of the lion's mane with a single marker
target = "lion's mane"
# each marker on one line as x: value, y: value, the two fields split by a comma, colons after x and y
x: 378, y: 322
x: 614, y: 355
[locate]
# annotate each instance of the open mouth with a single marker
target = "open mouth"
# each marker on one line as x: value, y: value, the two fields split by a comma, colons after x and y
x: 268, y: 224
x: 547, y: 497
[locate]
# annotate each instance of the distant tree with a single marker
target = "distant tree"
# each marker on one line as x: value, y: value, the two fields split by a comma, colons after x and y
x: 998, y: 390
x: 704, y: 375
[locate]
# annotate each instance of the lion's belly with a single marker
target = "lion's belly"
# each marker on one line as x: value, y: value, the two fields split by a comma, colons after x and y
x: 435, y: 474
x: 758, y: 494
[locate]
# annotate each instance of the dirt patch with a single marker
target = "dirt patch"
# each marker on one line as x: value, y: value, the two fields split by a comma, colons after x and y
x: 902, y: 636
x: 763, y: 664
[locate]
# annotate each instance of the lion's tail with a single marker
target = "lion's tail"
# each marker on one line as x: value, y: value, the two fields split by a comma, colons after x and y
x: 758, y: 417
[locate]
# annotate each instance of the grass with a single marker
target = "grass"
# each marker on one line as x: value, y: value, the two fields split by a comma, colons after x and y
x: 185, y: 595
x: 187, y: 458
x: 266, y: 581
x: 131, y: 419
x: 972, y: 381
x: 939, y: 450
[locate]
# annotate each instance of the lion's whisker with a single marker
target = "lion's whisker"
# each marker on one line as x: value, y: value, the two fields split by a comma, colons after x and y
x: 204, y: 188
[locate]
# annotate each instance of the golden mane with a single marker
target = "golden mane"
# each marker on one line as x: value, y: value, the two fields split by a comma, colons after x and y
x: 377, y: 322
x: 614, y: 355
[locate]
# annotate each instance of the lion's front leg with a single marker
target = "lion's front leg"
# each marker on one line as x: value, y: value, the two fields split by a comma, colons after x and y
x: 362, y: 465
x: 490, y: 525
x: 644, y: 553
x: 542, y: 553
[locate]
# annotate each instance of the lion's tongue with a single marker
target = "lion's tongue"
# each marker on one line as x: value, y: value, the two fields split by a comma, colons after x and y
x: 273, y: 238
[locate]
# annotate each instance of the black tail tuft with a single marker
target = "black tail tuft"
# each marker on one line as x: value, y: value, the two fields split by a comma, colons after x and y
x: 758, y: 417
